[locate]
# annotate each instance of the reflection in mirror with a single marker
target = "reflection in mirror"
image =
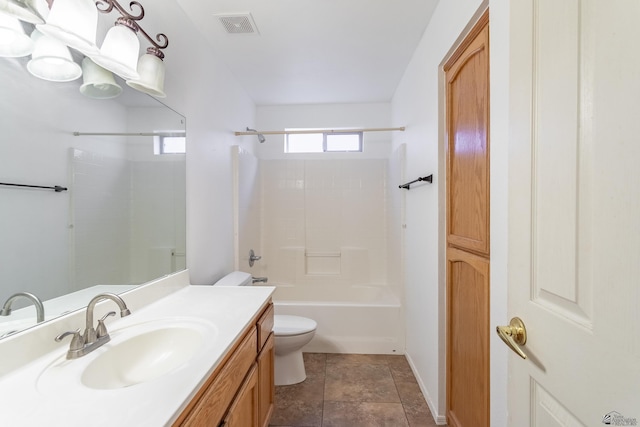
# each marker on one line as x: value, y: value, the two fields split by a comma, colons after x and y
x: 121, y: 220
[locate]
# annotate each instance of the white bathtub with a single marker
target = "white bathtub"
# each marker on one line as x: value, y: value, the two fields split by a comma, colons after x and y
x: 357, y: 319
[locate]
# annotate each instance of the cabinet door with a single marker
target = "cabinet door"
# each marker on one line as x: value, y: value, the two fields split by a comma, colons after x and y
x: 467, y: 339
x: 266, y: 381
x: 468, y: 146
x: 244, y: 409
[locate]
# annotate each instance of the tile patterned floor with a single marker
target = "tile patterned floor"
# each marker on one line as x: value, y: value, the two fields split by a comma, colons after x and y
x: 353, y: 390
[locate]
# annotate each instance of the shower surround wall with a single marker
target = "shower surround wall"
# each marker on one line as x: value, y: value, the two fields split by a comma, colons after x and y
x: 328, y: 232
x: 127, y: 217
x: 246, y: 205
x: 324, y: 222
x: 328, y: 227
x: 325, y: 247
x: 100, y: 215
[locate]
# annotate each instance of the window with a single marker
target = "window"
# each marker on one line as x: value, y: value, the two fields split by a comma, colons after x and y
x: 324, y: 142
x: 170, y: 143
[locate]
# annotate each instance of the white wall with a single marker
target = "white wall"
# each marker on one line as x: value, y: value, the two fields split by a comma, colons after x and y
x: 416, y: 105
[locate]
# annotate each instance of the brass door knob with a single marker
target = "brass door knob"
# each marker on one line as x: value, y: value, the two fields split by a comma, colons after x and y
x: 514, y: 335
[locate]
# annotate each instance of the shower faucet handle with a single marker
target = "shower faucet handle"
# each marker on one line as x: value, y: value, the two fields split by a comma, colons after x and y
x: 253, y: 257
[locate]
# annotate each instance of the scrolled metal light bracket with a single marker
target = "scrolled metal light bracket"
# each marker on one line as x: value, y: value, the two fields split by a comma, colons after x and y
x: 131, y: 21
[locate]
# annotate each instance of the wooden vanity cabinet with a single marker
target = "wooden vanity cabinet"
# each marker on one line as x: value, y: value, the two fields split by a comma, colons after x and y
x: 240, y: 392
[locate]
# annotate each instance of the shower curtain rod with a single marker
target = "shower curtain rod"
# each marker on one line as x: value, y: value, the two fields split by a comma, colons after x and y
x: 129, y: 133
x: 305, y: 131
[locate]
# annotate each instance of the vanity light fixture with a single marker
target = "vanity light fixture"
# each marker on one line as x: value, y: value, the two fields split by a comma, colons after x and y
x: 98, y: 83
x: 119, y: 51
x: 14, y: 43
x: 51, y: 60
x: 74, y: 23
x: 149, y: 69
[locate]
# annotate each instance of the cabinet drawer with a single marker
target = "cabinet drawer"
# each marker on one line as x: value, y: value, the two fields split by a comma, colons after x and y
x: 220, y: 392
x: 265, y: 326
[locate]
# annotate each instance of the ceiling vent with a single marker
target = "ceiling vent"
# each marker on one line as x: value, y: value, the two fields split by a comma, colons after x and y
x: 239, y: 23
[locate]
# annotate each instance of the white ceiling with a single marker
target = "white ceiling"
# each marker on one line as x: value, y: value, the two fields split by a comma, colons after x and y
x: 316, y: 51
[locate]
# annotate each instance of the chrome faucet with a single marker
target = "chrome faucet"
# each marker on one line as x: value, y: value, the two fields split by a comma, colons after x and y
x: 259, y: 279
x: 92, y: 338
x: 90, y: 335
x: 6, y: 309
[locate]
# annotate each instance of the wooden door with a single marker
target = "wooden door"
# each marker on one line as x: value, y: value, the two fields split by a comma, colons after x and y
x: 574, y: 207
x: 467, y: 95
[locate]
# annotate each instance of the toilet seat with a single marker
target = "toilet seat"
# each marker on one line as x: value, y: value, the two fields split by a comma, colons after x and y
x: 287, y: 326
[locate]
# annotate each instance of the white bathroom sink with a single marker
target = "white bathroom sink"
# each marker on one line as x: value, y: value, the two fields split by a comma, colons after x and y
x: 136, y: 354
x: 142, y: 358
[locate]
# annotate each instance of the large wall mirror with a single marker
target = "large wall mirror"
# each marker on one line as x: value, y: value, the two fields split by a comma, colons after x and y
x: 121, y: 220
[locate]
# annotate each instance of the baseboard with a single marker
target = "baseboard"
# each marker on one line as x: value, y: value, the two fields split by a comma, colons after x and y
x: 438, y: 418
x: 352, y: 345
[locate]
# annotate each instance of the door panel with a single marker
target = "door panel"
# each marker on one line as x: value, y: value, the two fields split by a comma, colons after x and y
x: 559, y: 149
x: 467, y: 147
x: 574, y: 239
x: 468, y: 345
x: 548, y: 411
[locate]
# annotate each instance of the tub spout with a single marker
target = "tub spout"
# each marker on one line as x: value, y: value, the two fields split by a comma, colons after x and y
x: 259, y: 279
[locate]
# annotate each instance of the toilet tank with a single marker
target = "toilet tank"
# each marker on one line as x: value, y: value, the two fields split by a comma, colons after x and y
x: 237, y: 278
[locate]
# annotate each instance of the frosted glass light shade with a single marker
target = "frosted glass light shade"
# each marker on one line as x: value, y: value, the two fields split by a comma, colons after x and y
x: 51, y: 60
x: 119, y: 52
x: 74, y: 23
x: 98, y: 82
x: 24, y: 10
x: 14, y: 42
x: 151, y: 81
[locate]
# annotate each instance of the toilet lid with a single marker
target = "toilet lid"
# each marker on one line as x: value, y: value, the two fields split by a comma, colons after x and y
x: 285, y: 325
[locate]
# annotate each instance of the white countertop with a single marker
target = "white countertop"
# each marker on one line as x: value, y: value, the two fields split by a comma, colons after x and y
x: 28, y: 398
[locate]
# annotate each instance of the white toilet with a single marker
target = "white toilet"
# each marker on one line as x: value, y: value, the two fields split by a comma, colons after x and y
x: 291, y: 334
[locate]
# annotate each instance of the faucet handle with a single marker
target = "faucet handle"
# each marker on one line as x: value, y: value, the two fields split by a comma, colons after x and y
x: 77, y: 342
x: 101, y: 330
